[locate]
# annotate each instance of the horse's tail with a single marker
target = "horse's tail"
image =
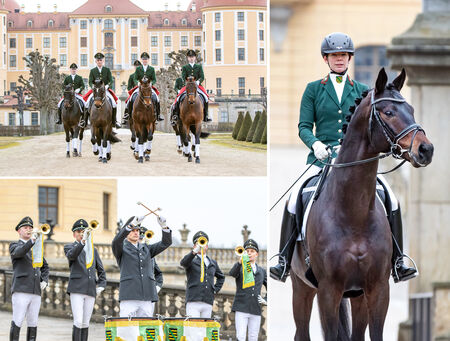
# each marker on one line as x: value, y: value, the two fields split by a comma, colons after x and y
x: 344, y: 325
x: 204, y: 135
x: 113, y: 138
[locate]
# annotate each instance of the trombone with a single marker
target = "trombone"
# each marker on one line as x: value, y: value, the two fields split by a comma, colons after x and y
x: 239, y: 251
x: 202, y: 242
x: 44, y: 229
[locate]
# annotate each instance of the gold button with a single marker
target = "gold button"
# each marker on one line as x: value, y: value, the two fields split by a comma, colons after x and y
x: 340, y: 111
x: 340, y: 121
x: 340, y: 131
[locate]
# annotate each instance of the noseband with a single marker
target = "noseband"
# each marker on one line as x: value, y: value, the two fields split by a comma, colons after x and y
x: 390, y: 136
x: 142, y: 98
x: 98, y: 97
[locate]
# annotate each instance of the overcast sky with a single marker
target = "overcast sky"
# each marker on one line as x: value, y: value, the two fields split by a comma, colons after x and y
x: 69, y: 6
x: 218, y: 206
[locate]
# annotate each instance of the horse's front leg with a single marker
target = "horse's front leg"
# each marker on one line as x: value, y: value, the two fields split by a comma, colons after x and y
x: 360, y: 317
x: 184, y: 139
x: 67, y: 142
x: 377, y: 303
x: 80, y: 136
x: 302, y: 301
x: 198, y: 130
x: 329, y: 298
x: 141, y: 134
x: 74, y: 132
x: 148, y: 149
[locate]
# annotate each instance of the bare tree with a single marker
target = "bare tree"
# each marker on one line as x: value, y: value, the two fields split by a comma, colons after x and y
x: 44, y: 88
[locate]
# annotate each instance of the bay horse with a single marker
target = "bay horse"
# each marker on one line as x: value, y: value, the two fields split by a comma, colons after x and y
x: 143, y: 121
x: 191, y: 117
x: 71, y: 113
x: 178, y: 137
x: 348, y: 240
x: 101, y: 122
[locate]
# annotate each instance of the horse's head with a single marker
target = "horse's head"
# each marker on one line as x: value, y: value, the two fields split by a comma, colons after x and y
x: 99, y: 92
x: 191, y: 89
x: 391, y: 123
x: 69, y: 95
x: 145, y: 89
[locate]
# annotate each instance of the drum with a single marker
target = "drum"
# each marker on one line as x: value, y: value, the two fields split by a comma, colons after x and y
x: 191, y: 329
x: 134, y: 329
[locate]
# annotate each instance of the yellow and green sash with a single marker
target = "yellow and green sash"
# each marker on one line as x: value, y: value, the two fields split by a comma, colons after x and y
x: 248, y: 280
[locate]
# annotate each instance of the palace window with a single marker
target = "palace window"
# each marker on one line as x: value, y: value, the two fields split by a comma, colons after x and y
x: 46, y: 42
x: 134, y: 42
x: 62, y: 42
x: 12, y: 43
x: 134, y: 23
x: 108, y: 8
x: 241, y: 54
x: 29, y: 43
x: 167, y: 41
x: 219, y: 82
x: 167, y: 59
x: 240, y: 16
x: 184, y: 41
x: 154, y: 41
x: 223, y: 115
x: 30, y: 23
x: 183, y: 22
x: 109, y: 60
x: 368, y: 61
x: 109, y: 25
x: 83, y: 24
x: 241, y: 34
x: 261, y: 16
x: 109, y: 39
x: 83, y: 41
x: 10, y: 24
x: 199, y: 21
x: 154, y: 59
x: 12, y: 119
x: 134, y: 57
x: 241, y: 84
x: 218, y: 35
x: 166, y: 22
x: 63, y: 60
x: 261, y: 34
x: 197, y: 40
x: 12, y: 86
x: 217, y: 17
x: 218, y: 55
x: 106, y: 199
x: 83, y: 60
x: 34, y: 119
x: 48, y: 204
x: 261, y: 54
x: 261, y: 82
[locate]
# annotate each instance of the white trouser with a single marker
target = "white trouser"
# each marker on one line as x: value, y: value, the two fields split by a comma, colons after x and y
x: 108, y: 94
x: 199, y: 91
x: 25, y: 304
x: 134, y: 308
x: 136, y: 91
x: 314, y: 170
x: 78, y: 96
x: 244, y: 320
x: 198, y: 309
x: 82, y: 307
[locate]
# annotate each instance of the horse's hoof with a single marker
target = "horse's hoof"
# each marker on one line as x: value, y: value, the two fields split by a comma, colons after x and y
x: 197, y: 159
x: 104, y: 160
x: 136, y: 155
x: 74, y: 153
x: 100, y: 159
x: 193, y: 148
x: 141, y: 159
x: 190, y: 158
x: 148, y: 151
x: 147, y: 157
x: 179, y: 151
x: 108, y: 156
x: 67, y: 154
x: 96, y: 152
x: 132, y: 147
x: 79, y: 154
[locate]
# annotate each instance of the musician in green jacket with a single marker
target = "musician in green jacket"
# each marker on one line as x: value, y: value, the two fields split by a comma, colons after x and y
x: 324, y: 105
x: 78, y: 87
x: 103, y: 73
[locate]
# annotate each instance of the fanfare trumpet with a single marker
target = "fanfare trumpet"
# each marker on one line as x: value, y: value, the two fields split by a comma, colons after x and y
x: 148, y: 234
x: 93, y: 225
x: 239, y: 251
x: 202, y: 242
x: 44, y: 229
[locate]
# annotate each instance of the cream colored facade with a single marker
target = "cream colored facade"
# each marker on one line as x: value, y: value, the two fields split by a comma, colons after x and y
x: 295, y: 55
x: 222, y: 41
x: 81, y: 198
x: 3, y: 49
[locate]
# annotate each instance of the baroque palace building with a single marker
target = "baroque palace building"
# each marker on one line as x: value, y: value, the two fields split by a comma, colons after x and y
x: 230, y: 35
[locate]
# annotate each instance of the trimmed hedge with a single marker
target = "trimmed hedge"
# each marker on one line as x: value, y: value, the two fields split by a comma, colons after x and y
x: 264, y: 136
x: 246, y: 125
x: 237, y: 126
x: 260, y: 128
x: 252, y: 130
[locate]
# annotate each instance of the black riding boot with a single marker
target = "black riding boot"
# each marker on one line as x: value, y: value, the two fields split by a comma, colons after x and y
x: 158, y: 112
x: 31, y: 333
x: 59, y: 120
x: 84, y: 118
x: 288, y: 239
x: 14, y: 332
x: 205, y: 113
x: 126, y: 115
x: 84, y: 334
x: 175, y: 113
x: 76, y: 334
x: 400, y: 272
x: 114, y: 120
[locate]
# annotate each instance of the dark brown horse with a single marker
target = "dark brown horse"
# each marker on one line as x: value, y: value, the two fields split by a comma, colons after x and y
x: 348, y: 238
x: 178, y: 137
x: 71, y: 114
x: 101, y: 122
x: 143, y: 121
x: 191, y: 116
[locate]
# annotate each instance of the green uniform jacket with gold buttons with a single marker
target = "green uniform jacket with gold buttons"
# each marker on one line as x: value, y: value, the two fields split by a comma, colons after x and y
x: 320, y: 107
x: 150, y: 73
x: 106, y: 76
x: 77, y: 82
x: 132, y: 81
x: 196, y: 71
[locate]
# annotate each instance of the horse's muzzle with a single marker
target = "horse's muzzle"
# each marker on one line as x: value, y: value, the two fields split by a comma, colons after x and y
x: 98, y: 104
x: 424, y: 154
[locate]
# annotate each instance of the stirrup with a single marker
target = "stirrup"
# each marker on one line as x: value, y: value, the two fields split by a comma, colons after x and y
x: 283, y: 263
x: 396, y: 265
x: 82, y: 124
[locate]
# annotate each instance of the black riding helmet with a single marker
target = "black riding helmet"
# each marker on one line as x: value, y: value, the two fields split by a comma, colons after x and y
x: 337, y: 42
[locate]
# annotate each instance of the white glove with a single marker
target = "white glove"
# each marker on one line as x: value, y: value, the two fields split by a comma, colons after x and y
x: 261, y: 300
x: 106, y: 86
x: 158, y: 289
x: 197, y: 248
x: 99, y: 290
x: 320, y: 150
x: 86, y: 234
x: 43, y: 285
x: 162, y: 222
x: 35, y: 236
x: 78, y: 90
x: 197, y: 82
x: 137, y: 220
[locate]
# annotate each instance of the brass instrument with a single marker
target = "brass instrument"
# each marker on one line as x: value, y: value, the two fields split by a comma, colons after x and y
x: 44, y: 229
x: 93, y: 225
x: 148, y: 235
x: 202, y: 241
x: 239, y: 251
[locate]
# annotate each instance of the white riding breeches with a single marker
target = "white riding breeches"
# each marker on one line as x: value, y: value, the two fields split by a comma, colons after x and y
x: 82, y: 307
x: 199, y: 91
x: 28, y: 305
x: 135, y: 308
x: 79, y: 97
x: 136, y: 91
x: 198, y: 309
x: 246, y: 321
x: 108, y: 94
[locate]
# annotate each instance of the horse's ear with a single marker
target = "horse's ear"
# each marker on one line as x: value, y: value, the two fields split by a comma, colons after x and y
x: 382, y: 79
x: 400, y: 80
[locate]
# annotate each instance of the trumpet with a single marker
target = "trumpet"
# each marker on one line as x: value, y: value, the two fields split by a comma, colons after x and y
x: 93, y: 225
x: 239, y: 251
x: 202, y: 242
x: 148, y: 234
x: 44, y: 229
